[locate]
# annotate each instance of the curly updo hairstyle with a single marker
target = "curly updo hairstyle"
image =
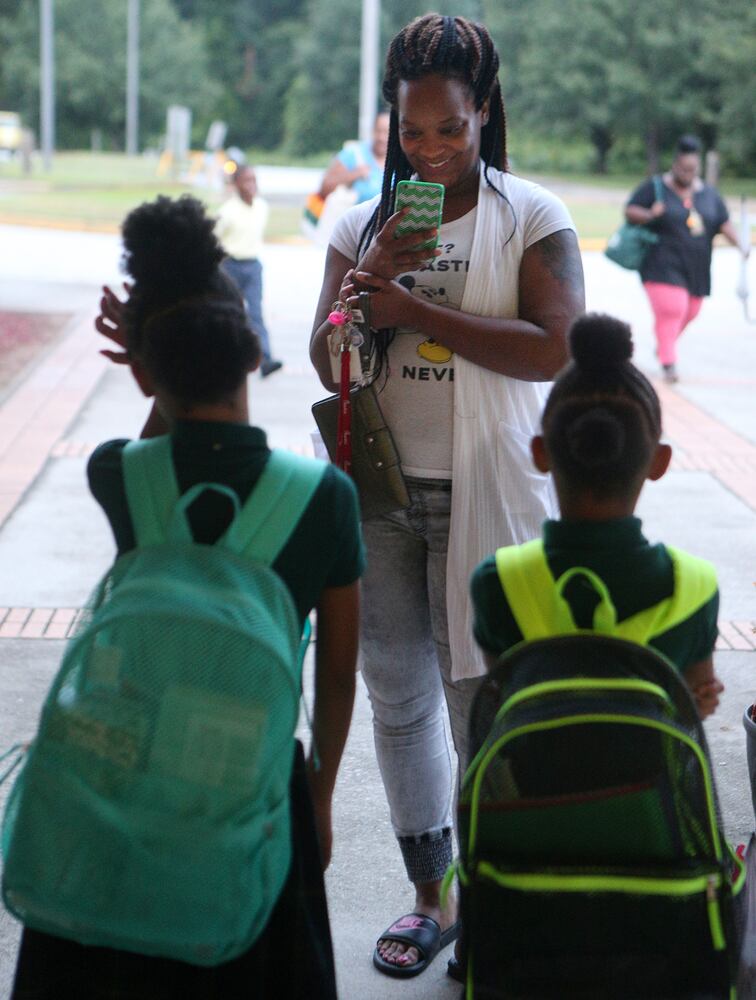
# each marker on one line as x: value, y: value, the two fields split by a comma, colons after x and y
x: 602, y: 420
x: 185, y: 319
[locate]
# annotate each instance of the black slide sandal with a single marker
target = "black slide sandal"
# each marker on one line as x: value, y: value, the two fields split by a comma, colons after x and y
x: 418, y: 931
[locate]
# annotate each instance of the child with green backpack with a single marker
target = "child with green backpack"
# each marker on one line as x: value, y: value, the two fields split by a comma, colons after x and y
x: 166, y: 837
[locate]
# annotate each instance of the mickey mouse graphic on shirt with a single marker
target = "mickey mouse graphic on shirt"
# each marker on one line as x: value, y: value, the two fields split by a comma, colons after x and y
x: 430, y: 349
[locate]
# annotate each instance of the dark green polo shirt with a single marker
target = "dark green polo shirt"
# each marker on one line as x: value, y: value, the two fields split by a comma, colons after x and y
x: 637, y: 574
x: 324, y: 550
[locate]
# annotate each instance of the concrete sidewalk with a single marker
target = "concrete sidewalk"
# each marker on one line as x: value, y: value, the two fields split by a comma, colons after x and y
x: 54, y: 541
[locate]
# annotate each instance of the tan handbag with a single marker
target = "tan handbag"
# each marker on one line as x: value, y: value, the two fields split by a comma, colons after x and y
x: 376, y: 467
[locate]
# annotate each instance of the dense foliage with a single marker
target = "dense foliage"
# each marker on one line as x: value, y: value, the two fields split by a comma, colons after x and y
x: 621, y: 79
x: 622, y: 74
x: 90, y: 69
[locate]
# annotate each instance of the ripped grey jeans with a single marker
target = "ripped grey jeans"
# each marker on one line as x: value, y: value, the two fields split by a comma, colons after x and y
x: 406, y: 665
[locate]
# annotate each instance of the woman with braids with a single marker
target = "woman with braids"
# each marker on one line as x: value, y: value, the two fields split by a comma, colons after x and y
x: 465, y: 342
x: 189, y: 345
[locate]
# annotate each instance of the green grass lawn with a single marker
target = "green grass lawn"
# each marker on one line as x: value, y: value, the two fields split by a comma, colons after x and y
x: 97, y: 190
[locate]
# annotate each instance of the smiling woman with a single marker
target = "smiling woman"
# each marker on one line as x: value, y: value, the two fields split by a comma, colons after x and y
x: 439, y: 131
x: 465, y: 338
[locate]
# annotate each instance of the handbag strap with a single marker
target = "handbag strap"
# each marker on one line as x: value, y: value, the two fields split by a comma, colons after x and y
x: 366, y: 348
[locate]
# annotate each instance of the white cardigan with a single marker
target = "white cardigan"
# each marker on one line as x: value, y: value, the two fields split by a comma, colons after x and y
x: 498, y: 497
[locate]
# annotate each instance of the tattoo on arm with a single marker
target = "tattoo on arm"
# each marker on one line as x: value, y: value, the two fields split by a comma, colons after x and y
x: 560, y: 256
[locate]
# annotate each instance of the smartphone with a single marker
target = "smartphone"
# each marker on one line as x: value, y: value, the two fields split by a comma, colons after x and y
x: 426, y: 204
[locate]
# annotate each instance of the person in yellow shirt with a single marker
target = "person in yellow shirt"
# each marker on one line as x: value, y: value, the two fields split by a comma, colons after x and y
x: 240, y: 227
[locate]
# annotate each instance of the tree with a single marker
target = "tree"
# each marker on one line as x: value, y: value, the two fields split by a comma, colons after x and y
x: 9, y: 9
x: 250, y: 48
x: 729, y: 55
x: 609, y: 69
x: 90, y: 69
x: 322, y: 101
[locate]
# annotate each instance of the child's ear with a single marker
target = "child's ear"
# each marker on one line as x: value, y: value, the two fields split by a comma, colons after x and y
x: 660, y: 462
x: 142, y: 378
x: 538, y: 451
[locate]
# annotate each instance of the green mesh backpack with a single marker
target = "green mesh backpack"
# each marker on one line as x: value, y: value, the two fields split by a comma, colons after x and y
x: 152, y: 812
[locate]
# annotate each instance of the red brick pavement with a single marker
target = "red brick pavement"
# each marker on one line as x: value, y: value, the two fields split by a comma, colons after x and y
x: 702, y: 443
x: 37, y: 414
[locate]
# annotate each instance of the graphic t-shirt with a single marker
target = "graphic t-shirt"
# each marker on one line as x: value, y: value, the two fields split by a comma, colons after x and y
x: 418, y: 392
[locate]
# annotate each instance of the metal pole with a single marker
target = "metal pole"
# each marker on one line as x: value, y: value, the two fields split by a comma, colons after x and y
x: 132, y: 79
x: 371, y: 10
x: 46, y: 82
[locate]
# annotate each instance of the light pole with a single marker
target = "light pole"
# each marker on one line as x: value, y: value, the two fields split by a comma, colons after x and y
x: 371, y: 10
x: 46, y: 82
x: 132, y: 79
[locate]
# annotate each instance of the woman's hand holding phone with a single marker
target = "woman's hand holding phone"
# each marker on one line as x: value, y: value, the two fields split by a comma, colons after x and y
x: 392, y: 255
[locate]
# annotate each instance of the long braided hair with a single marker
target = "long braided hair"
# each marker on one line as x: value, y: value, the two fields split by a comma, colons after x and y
x: 449, y: 47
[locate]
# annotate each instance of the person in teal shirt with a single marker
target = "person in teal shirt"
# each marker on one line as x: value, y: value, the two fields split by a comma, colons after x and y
x: 601, y: 442
x: 359, y: 165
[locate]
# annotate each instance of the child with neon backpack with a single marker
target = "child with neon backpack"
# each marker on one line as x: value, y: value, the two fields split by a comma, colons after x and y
x: 601, y: 430
x: 189, y: 345
x: 593, y: 568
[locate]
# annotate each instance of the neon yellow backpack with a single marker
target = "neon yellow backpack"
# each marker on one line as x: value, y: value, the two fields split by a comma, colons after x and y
x: 152, y: 812
x: 593, y: 860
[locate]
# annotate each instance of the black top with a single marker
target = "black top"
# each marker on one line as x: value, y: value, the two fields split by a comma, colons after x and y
x: 637, y: 574
x: 324, y: 550
x: 683, y: 254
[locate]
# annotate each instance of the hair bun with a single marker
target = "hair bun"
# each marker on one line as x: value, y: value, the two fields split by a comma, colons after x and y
x: 170, y: 245
x: 600, y: 343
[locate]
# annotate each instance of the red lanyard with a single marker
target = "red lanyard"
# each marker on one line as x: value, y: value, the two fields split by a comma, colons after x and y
x: 341, y: 319
x: 344, y: 426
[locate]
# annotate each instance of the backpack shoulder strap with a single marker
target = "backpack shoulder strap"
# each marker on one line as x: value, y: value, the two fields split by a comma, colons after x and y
x: 695, y: 583
x: 527, y: 582
x: 540, y: 610
x: 273, y: 509
x: 537, y: 600
x: 151, y: 487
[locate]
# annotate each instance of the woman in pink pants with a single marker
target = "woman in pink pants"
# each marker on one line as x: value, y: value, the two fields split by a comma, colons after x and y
x: 676, y: 272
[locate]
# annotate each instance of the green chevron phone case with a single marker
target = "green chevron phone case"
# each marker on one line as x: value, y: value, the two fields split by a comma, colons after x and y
x: 426, y: 203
